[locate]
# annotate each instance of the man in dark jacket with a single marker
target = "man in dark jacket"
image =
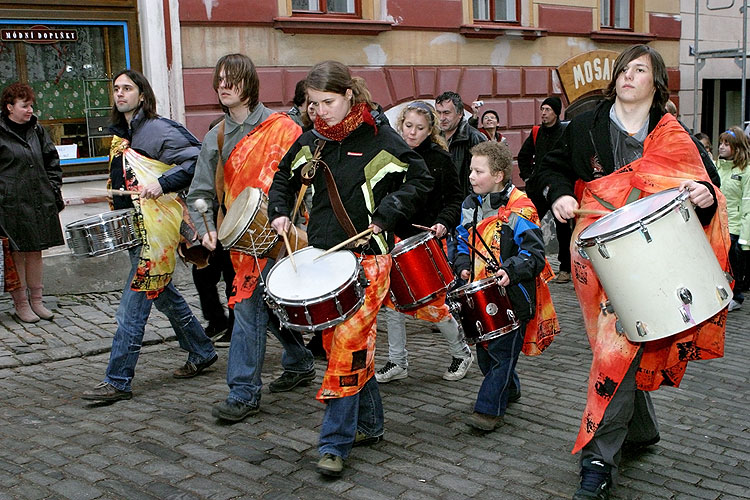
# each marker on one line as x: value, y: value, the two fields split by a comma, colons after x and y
x: 147, y: 142
x: 461, y: 136
x: 541, y: 140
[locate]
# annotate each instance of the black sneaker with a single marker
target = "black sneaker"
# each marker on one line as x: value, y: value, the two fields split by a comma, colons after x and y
x: 224, y: 340
x: 514, y: 396
x: 289, y: 380
x: 596, y: 481
x: 233, y: 410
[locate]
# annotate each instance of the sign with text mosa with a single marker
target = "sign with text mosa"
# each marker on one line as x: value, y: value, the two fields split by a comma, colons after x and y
x: 587, y: 72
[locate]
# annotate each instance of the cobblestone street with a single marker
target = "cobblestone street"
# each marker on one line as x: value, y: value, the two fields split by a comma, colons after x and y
x: 164, y: 443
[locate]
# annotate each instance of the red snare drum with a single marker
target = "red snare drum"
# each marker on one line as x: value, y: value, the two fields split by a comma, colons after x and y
x: 318, y: 294
x: 420, y: 271
x: 484, y: 309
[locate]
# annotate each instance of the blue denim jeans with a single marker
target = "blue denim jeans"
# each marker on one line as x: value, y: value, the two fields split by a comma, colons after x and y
x: 498, y: 365
x: 132, y: 315
x: 345, y: 416
x: 248, y: 347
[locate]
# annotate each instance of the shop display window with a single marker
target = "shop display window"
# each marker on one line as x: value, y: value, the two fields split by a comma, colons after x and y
x: 70, y: 65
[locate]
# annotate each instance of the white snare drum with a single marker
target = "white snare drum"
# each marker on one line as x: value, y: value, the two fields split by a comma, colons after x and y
x: 319, y: 294
x: 656, y: 265
x: 103, y: 234
x: 246, y: 227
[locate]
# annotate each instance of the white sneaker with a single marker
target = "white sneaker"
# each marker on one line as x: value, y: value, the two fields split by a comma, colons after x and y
x: 734, y: 305
x: 458, y: 368
x: 390, y: 371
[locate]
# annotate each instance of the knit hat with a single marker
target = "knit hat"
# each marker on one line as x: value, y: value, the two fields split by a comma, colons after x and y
x: 554, y: 103
x: 491, y: 112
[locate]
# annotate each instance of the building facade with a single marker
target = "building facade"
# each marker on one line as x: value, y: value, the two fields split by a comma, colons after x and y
x: 503, y: 52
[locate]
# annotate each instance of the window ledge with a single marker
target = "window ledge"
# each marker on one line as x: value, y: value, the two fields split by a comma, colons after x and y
x: 618, y: 36
x: 495, y: 30
x: 330, y: 26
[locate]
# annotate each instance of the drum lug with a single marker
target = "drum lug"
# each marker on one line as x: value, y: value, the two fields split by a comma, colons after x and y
x: 480, y: 330
x: 470, y: 301
x: 641, y: 328
x: 363, y: 281
x: 729, y: 277
x: 511, y: 315
x: 685, y: 296
x: 602, y: 250
x: 644, y: 231
x: 454, y: 307
x: 685, y: 315
x: 685, y: 213
x: 583, y: 253
x: 618, y: 327
x: 723, y: 294
x: 606, y: 308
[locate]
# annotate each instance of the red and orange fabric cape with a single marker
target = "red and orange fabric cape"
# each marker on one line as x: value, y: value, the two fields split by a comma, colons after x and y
x: 350, y: 345
x: 669, y: 157
x: 542, y: 328
x: 253, y: 162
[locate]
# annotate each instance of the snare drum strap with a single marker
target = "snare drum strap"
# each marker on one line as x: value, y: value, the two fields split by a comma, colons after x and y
x: 338, y: 206
x: 219, y: 178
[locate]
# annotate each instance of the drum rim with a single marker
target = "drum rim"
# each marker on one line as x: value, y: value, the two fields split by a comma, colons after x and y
x: 476, y: 285
x: 583, y: 241
x: 408, y: 244
x: 505, y: 330
x: 98, y: 219
x: 234, y: 234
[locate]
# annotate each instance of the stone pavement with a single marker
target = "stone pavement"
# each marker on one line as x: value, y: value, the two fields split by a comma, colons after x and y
x: 164, y: 444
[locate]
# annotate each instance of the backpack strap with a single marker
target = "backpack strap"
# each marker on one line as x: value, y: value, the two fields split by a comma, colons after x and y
x: 534, y: 133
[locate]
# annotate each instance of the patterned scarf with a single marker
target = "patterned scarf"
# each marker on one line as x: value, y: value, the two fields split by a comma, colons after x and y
x: 359, y: 113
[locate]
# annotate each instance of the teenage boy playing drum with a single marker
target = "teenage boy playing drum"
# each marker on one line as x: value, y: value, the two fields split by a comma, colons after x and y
x: 625, y: 149
x: 499, y: 236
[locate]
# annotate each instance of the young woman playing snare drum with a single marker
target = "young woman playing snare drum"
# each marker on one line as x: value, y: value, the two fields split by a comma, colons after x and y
x: 417, y: 124
x: 380, y: 181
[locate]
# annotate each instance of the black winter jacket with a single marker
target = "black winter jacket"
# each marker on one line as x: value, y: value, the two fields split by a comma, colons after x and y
x: 585, y: 152
x: 464, y: 138
x: 30, y: 188
x: 380, y: 180
x: 443, y: 205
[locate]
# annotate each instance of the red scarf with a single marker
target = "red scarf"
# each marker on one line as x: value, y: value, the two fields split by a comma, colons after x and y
x: 359, y: 113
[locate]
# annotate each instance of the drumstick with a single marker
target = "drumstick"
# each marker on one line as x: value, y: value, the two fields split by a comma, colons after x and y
x: 492, y: 265
x: 424, y: 228
x: 119, y: 192
x: 344, y: 243
x: 289, y: 251
x: 202, y: 207
x: 586, y: 211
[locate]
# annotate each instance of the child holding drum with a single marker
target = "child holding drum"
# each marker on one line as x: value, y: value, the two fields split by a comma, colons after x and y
x: 499, y: 238
x: 734, y: 153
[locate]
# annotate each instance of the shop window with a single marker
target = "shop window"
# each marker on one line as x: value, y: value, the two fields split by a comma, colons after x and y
x: 496, y: 10
x: 70, y: 65
x: 326, y: 6
x: 617, y: 14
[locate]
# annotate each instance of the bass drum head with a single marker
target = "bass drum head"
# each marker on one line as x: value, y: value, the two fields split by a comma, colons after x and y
x: 628, y: 216
x: 239, y: 215
x: 312, y: 280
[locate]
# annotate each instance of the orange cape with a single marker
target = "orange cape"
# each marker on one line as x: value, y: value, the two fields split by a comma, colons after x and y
x: 253, y: 162
x: 542, y: 328
x: 669, y: 157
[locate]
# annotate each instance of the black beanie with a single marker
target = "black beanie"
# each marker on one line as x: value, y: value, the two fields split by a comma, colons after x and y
x: 554, y: 103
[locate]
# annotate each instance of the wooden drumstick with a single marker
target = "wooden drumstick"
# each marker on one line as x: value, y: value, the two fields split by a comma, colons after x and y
x: 344, y: 243
x: 289, y: 251
x: 118, y: 192
x: 586, y: 211
x: 424, y: 228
